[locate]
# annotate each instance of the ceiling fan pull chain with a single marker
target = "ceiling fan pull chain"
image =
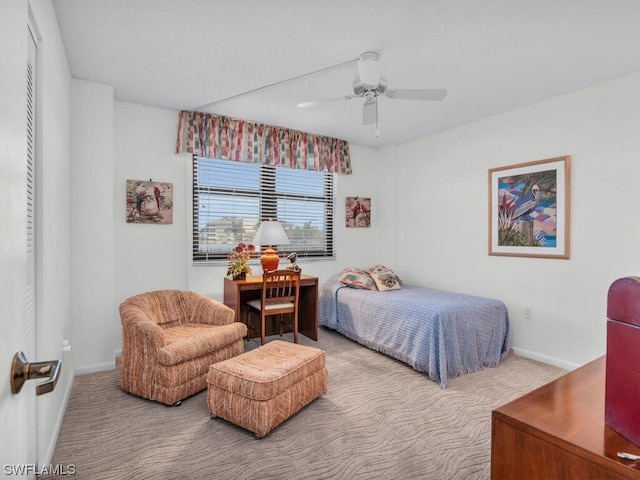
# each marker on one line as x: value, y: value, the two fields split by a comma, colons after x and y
x: 377, y: 129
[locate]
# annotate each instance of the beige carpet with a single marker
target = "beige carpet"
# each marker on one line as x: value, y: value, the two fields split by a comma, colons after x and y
x: 380, y: 419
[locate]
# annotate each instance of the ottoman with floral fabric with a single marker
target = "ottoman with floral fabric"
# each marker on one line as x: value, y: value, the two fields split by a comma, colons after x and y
x: 262, y: 388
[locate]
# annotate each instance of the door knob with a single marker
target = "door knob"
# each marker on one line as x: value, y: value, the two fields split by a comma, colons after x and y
x: 21, y: 371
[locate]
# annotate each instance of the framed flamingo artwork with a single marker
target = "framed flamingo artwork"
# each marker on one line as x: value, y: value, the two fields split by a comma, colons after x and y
x: 529, y: 209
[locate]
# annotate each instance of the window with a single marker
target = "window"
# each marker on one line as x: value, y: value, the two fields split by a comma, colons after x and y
x: 230, y: 199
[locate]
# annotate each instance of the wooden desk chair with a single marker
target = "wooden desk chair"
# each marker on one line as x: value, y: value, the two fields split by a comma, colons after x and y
x: 280, y: 292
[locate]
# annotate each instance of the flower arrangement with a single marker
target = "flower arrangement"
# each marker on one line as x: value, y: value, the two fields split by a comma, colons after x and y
x: 238, y: 259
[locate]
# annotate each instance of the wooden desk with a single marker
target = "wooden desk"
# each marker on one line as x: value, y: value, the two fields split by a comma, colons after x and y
x: 558, y: 432
x: 238, y: 292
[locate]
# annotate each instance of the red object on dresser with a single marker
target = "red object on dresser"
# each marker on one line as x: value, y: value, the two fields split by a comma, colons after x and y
x: 622, y: 387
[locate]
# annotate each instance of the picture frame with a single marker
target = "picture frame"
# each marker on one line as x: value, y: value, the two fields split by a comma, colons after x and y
x: 149, y: 202
x: 358, y: 212
x: 529, y: 209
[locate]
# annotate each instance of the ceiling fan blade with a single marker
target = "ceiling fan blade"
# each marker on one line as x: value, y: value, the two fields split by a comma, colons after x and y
x: 326, y: 100
x: 434, y: 94
x: 369, y: 112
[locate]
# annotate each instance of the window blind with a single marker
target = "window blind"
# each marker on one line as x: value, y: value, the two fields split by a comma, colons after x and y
x: 230, y: 199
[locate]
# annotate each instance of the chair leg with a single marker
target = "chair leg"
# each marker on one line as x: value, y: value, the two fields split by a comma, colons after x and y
x: 262, y: 329
x: 248, y: 324
x: 295, y: 327
x: 281, y: 321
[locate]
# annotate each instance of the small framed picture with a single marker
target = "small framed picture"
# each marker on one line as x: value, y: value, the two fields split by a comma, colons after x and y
x: 358, y: 212
x: 149, y: 202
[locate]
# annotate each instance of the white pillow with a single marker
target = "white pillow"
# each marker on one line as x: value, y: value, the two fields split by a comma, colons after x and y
x: 356, y: 278
x: 385, y: 278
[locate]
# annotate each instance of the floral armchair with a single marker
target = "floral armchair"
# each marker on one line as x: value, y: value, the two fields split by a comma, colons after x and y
x: 169, y: 340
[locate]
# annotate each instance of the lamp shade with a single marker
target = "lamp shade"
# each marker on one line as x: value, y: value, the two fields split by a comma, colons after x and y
x: 270, y: 232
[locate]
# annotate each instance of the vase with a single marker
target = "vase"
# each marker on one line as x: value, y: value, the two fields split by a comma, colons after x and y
x: 240, y: 276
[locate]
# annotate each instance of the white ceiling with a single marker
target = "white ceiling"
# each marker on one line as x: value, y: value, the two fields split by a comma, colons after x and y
x: 491, y: 55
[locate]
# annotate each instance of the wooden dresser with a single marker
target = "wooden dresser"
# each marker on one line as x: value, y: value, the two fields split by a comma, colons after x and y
x: 558, y: 432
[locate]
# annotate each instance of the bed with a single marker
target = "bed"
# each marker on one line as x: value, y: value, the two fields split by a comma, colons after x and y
x: 443, y: 334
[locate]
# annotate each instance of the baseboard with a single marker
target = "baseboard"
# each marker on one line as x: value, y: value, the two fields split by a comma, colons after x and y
x: 545, y: 359
x: 56, y: 431
x: 96, y: 367
x: 100, y: 367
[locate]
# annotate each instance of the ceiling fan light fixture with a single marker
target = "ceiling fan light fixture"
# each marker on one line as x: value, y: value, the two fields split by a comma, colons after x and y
x: 369, y: 69
x: 360, y: 89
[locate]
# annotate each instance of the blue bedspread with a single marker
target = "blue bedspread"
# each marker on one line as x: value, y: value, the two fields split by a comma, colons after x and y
x: 443, y: 334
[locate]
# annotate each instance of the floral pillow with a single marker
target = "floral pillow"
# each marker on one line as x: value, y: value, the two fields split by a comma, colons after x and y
x: 356, y: 278
x: 385, y: 278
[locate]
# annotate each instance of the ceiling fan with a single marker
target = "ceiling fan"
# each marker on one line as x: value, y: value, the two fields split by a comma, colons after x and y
x: 370, y: 85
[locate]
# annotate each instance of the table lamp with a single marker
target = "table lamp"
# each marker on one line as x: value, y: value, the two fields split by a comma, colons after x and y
x: 270, y: 232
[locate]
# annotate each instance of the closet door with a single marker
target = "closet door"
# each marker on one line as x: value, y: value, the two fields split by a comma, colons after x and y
x: 17, y: 237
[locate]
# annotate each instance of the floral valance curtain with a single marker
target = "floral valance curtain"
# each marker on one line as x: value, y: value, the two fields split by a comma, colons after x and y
x: 217, y: 136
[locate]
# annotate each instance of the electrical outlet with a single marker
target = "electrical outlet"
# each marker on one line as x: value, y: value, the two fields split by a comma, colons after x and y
x: 528, y: 313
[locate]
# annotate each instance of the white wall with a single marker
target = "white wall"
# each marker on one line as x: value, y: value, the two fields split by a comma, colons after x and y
x: 364, y: 247
x: 148, y: 257
x: 443, y: 214
x: 94, y: 308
